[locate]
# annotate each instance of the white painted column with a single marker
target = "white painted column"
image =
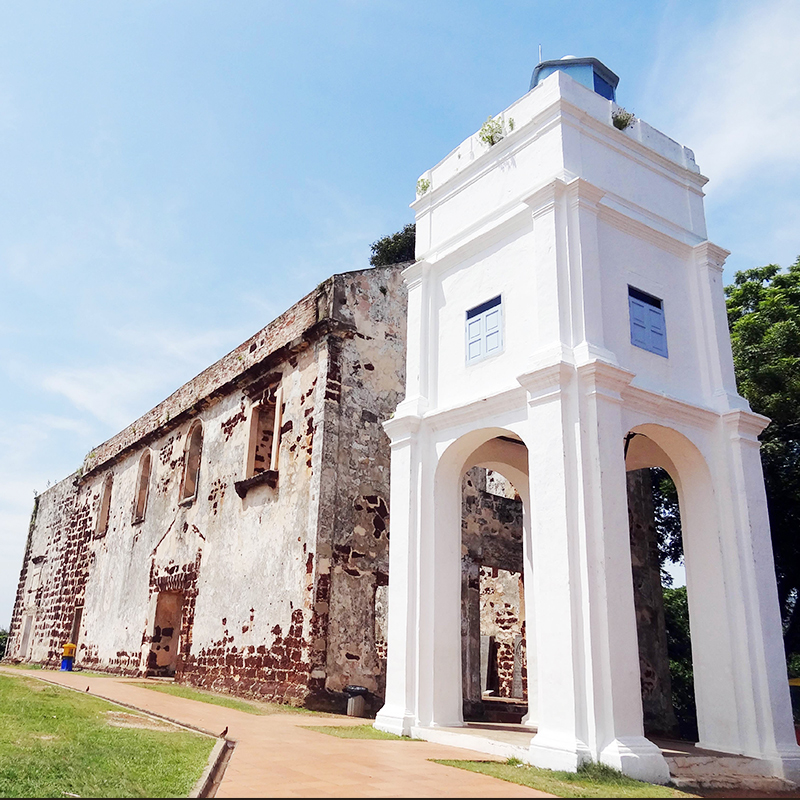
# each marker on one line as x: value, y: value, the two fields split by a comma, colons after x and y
x: 441, y: 614
x: 554, y: 596
x: 613, y: 690
x: 531, y: 648
x: 399, y: 713
x: 589, y: 689
x: 766, y: 729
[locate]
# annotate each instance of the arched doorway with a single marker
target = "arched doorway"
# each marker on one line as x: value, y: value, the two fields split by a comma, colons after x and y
x: 493, y: 653
x: 650, y: 447
x: 501, y: 454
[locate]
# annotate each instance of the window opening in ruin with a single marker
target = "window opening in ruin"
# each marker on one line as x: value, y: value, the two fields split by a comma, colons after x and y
x: 162, y: 661
x: 484, y: 330
x: 192, y: 454
x: 27, y: 624
x: 105, y: 506
x: 265, y: 435
x: 494, y: 659
x: 76, y: 625
x: 648, y: 329
x: 263, y: 449
x: 142, y: 486
x: 662, y: 617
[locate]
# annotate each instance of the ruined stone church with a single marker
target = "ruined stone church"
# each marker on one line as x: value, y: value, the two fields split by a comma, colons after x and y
x: 236, y: 536
x: 561, y: 332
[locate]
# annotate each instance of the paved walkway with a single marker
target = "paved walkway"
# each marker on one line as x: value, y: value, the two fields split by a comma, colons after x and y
x: 276, y: 757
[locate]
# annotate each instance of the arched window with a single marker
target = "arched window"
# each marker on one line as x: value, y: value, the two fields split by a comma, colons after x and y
x: 192, y: 451
x: 105, y: 506
x: 142, y: 486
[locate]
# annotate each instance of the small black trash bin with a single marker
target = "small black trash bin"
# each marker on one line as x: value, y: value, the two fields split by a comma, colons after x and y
x: 356, y: 700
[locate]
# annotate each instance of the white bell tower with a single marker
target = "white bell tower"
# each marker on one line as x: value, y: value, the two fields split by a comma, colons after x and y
x: 565, y: 297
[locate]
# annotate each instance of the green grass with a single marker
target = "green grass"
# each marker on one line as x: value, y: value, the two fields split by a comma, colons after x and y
x: 591, y: 780
x: 55, y: 742
x: 355, y: 732
x: 78, y: 671
x: 217, y: 699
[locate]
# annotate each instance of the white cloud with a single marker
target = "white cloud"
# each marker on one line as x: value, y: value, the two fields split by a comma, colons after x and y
x: 731, y: 91
x: 148, y: 364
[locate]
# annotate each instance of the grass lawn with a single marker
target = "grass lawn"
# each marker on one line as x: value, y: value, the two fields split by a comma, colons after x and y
x: 57, y: 669
x: 218, y: 699
x: 592, y: 780
x: 355, y: 732
x: 55, y: 743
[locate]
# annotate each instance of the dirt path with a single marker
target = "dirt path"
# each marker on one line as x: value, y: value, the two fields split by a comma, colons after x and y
x: 276, y: 757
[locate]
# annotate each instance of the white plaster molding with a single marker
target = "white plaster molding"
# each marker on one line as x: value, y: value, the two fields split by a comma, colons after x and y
x: 396, y: 721
x: 401, y: 428
x: 473, y: 238
x: 494, y: 404
x: 637, y: 757
x: 621, y: 221
x: 542, y: 199
x: 602, y: 378
x: 583, y: 194
x: 551, y: 751
x: 414, y: 274
x: 669, y: 408
x: 746, y: 425
x: 641, y: 154
x: 711, y: 255
x: 545, y: 382
x: 475, y: 169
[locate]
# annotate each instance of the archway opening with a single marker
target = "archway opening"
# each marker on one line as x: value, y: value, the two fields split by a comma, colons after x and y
x: 493, y: 645
x: 660, y: 591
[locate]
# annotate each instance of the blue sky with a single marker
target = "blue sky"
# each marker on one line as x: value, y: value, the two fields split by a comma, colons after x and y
x: 173, y: 175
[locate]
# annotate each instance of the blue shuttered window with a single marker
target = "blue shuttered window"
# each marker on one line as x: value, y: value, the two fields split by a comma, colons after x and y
x: 648, y: 330
x: 485, y: 330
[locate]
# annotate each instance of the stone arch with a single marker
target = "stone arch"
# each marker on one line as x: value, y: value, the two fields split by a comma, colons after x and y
x: 142, y: 486
x: 105, y: 505
x: 660, y: 446
x: 502, y: 451
x: 191, y: 461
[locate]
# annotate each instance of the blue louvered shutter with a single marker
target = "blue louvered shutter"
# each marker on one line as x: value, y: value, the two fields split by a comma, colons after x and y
x: 484, y: 330
x: 474, y: 338
x: 491, y: 330
x: 657, y: 330
x: 648, y: 330
x: 638, y: 311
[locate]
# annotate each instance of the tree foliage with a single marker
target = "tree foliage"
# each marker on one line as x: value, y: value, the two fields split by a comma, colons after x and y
x: 395, y: 248
x: 679, y: 649
x: 667, y: 521
x: 764, y: 319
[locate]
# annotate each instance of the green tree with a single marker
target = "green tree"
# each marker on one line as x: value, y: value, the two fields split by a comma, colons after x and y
x: 395, y: 248
x: 764, y: 319
x: 679, y: 649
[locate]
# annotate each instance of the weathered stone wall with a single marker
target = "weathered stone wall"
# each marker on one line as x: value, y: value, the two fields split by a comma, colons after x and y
x: 366, y: 381
x: 502, y: 617
x: 277, y: 579
x: 53, y: 575
x: 492, y: 602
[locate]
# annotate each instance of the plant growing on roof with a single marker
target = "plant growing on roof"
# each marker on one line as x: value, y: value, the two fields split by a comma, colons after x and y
x: 423, y: 184
x: 493, y: 130
x: 622, y: 119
